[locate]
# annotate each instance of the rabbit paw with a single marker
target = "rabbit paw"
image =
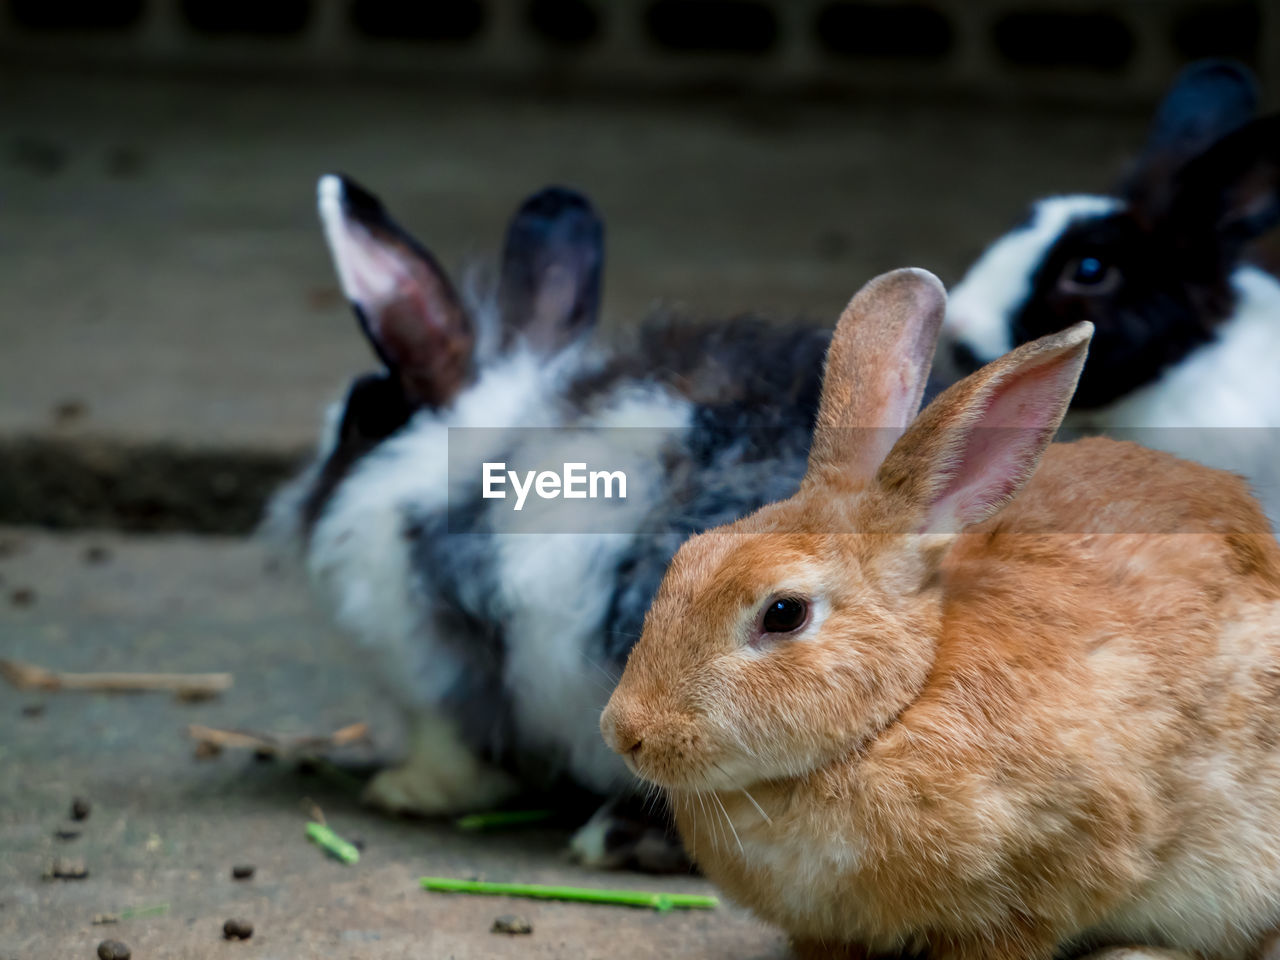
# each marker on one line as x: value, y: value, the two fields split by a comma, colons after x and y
x: 621, y: 835
x: 416, y: 790
x: 439, y: 777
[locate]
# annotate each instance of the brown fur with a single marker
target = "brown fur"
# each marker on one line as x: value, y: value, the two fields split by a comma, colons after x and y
x: 1052, y: 725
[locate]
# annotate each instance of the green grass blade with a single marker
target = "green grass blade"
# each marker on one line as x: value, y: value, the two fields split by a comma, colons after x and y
x: 332, y: 844
x: 661, y: 902
x: 498, y: 819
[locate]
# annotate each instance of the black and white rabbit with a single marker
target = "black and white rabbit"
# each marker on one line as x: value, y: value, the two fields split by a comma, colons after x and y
x: 1187, y: 337
x: 500, y: 638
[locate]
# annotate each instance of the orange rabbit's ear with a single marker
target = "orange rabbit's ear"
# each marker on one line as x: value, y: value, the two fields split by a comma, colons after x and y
x: 876, y: 371
x: 975, y: 446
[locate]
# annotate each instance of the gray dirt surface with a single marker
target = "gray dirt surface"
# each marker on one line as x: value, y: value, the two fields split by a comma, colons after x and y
x: 167, y: 828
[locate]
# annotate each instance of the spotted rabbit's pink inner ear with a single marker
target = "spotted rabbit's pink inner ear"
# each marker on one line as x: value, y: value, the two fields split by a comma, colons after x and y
x: 876, y: 371
x: 406, y: 304
x: 975, y: 447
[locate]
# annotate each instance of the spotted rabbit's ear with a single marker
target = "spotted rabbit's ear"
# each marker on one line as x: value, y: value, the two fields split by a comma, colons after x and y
x: 404, y: 301
x: 876, y: 371
x: 552, y: 264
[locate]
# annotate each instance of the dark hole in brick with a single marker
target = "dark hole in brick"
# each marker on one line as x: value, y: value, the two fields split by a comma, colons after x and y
x: 712, y: 26
x: 564, y: 23
x: 444, y: 21
x: 1219, y: 30
x: 265, y: 18
x: 76, y: 14
x: 907, y: 32
x: 1060, y: 39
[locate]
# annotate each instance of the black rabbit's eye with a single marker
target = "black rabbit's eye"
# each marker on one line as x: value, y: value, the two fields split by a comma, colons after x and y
x: 785, y: 615
x: 1089, y: 275
x: 1089, y: 270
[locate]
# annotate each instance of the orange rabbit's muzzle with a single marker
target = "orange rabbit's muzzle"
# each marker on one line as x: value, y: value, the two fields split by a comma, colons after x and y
x: 664, y: 749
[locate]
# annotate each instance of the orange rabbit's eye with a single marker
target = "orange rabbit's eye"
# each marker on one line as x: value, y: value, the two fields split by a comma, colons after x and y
x: 784, y: 615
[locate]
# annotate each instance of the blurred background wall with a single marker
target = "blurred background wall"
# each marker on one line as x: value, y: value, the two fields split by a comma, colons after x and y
x: 170, y: 328
x: 1087, y: 50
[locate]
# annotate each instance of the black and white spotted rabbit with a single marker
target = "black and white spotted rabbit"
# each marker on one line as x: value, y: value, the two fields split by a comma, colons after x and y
x: 502, y: 644
x: 1186, y: 353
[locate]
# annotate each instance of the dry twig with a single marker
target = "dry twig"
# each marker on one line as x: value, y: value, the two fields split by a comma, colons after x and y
x: 29, y: 676
x: 210, y: 739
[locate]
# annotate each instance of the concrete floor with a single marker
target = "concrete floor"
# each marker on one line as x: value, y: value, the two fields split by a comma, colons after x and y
x: 163, y: 284
x: 166, y: 828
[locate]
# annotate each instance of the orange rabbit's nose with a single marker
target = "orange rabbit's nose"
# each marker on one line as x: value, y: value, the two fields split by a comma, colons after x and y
x: 621, y: 733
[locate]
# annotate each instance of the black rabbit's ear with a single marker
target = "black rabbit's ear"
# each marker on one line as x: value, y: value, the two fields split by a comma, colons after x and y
x: 551, y: 269
x: 405, y: 302
x: 1231, y: 192
x: 1208, y: 100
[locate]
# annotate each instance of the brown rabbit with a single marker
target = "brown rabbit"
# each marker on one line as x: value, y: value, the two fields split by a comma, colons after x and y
x: 941, y: 700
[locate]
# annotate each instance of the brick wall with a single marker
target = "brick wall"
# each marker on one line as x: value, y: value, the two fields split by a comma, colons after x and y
x: 1015, y: 49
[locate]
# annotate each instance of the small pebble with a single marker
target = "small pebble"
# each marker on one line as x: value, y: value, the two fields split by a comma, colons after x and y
x: 194, y: 695
x: 80, y: 809
x: 66, y: 868
x: 510, y: 923
x: 237, y: 929
x: 113, y: 950
x: 69, y: 411
x: 243, y: 871
x: 96, y: 555
x: 22, y: 597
